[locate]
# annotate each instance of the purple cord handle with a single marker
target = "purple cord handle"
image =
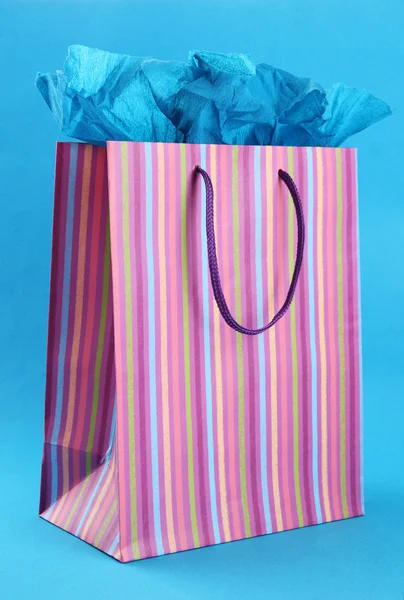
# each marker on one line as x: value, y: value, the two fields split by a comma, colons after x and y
x: 212, y: 255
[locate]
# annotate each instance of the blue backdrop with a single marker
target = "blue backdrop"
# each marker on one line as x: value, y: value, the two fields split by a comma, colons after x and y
x: 359, y: 42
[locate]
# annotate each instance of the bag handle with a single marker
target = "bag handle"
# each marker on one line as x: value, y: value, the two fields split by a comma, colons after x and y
x: 212, y: 255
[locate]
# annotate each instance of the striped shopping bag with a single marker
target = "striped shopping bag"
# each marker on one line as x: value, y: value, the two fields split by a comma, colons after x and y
x: 203, y: 370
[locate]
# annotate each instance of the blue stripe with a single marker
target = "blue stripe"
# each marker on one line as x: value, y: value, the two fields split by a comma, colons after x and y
x: 103, y: 472
x: 360, y: 336
x: 152, y: 348
x: 208, y: 375
x: 261, y: 348
x: 113, y: 545
x: 64, y: 316
x: 310, y: 267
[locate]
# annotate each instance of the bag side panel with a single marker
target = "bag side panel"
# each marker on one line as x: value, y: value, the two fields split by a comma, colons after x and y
x: 80, y: 383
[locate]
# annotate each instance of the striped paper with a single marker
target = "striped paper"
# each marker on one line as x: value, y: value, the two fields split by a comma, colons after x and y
x: 166, y: 430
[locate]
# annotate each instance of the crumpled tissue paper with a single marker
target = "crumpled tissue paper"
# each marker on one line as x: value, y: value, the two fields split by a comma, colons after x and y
x: 215, y: 98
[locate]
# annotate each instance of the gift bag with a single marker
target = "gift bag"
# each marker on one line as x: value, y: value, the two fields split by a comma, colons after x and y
x: 203, y: 369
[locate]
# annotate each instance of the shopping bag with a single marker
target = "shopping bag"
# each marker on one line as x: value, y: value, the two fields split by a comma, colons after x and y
x: 203, y: 369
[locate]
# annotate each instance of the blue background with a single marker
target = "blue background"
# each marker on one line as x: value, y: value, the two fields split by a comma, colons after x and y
x: 359, y: 42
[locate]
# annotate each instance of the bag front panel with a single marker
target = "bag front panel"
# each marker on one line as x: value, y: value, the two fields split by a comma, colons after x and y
x: 223, y: 436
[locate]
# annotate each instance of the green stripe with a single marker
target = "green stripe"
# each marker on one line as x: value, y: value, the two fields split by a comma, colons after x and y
x: 341, y: 340
x: 295, y: 380
x: 187, y: 366
x: 239, y: 342
x: 100, y: 346
x: 129, y: 348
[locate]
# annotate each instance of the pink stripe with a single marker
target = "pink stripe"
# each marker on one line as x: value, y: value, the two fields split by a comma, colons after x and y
x: 172, y: 336
x: 196, y: 344
x: 214, y: 375
x: 185, y: 538
x: 115, y: 203
x: 347, y: 217
x: 157, y: 172
x: 303, y: 353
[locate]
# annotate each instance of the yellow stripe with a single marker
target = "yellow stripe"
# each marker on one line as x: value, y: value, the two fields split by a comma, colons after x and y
x: 164, y: 348
x: 187, y: 364
x: 129, y: 350
x: 295, y: 381
x: 341, y: 337
x: 321, y: 334
x: 219, y: 388
x: 272, y: 344
x: 239, y: 342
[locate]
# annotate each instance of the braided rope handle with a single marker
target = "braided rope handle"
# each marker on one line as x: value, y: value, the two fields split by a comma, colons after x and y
x: 212, y: 254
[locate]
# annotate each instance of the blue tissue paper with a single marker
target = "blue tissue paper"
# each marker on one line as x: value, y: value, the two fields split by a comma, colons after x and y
x: 214, y: 98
